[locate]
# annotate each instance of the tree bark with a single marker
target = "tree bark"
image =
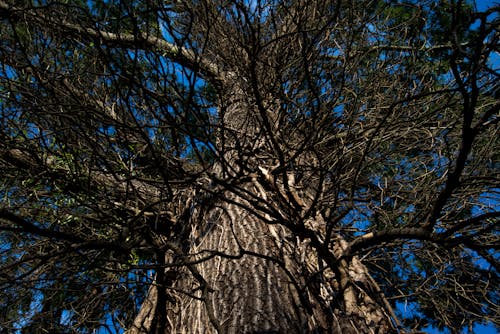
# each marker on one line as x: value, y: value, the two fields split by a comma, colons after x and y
x: 257, y: 278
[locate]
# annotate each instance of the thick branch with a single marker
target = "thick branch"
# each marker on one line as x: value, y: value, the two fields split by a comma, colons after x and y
x: 23, y: 160
x: 376, y: 238
x: 180, y: 55
x: 76, y: 241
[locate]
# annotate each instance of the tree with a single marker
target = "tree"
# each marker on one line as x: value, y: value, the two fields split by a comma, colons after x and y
x: 248, y: 166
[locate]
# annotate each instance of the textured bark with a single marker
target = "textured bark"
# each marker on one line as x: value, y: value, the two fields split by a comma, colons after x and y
x: 261, y: 281
x: 248, y: 293
x: 144, y: 320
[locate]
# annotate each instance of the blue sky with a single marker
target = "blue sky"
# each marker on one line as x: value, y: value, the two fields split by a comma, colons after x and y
x: 483, y: 4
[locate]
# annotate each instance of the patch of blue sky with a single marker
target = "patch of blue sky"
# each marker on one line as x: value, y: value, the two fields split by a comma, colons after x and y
x: 476, y: 329
x: 408, y: 309
x: 488, y: 201
x: 359, y: 219
x: 25, y: 316
x: 483, y: 5
x: 479, y: 261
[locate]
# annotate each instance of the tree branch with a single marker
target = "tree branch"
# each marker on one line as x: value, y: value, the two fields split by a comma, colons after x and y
x: 76, y: 241
x: 376, y: 238
x: 180, y: 55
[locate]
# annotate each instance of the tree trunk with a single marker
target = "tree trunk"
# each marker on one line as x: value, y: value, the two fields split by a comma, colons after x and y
x: 255, y: 278
x: 244, y: 271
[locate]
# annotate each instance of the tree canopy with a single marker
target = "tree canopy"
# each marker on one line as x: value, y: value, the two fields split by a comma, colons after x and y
x: 354, y: 145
